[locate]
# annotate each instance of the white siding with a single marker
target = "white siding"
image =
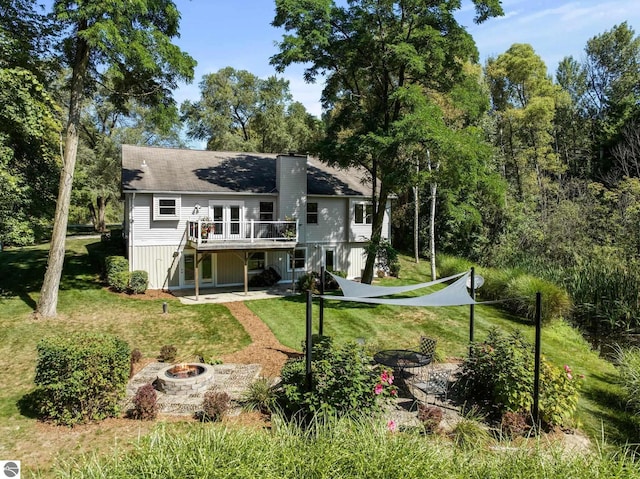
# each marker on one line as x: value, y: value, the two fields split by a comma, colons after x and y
x: 356, y: 260
x: 362, y: 232
x: 333, y: 220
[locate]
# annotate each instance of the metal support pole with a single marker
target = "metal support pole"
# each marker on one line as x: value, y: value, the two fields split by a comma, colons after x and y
x: 471, y: 306
x: 321, y: 317
x: 309, y: 342
x: 536, y: 374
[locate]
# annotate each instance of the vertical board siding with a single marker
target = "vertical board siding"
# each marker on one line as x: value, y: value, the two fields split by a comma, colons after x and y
x: 161, y: 264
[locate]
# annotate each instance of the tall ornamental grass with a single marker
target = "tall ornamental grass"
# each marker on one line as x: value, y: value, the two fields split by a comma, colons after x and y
x: 339, y: 448
x: 515, y: 289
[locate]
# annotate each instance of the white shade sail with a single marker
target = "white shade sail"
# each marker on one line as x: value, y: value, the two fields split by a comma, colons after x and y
x: 355, y: 289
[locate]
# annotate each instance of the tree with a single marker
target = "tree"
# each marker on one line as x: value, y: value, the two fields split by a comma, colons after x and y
x: 379, y: 59
x: 240, y: 112
x: 134, y: 45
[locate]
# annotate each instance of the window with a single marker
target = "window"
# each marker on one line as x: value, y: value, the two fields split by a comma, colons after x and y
x: 298, y: 260
x: 364, y: 213
x: 257, y: 261
x: 329, y: 260
x: 312, y: 213
x: 166, y: 208
x: 266, y: 211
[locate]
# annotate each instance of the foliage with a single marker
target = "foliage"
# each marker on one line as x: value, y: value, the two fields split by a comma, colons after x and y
x: 145, y: 403
x: 514, y: 424
x: 81, y: 377
x: 306, y: 282
x: 387, y: 67
x: 114, y: 265
x: 343, y: 381
x: 119, y: 281
x: 386, y: 257
x: 238, y: 111
x: 343, y: 447
x: 500, y: 371
x: 260, y: 396
x: 215, y: 405
x: 628, y: 362
x: 470, y: 433
x: 430, y: 417
x: 168, y: 353
x: 138, y: 281
x: 515, y: 289
x: 136, y: 356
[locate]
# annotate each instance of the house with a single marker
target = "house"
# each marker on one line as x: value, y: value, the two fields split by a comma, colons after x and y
x: 197, y: 219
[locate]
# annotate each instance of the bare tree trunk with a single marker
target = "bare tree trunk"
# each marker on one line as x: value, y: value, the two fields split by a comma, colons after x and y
x: 416, y: 219
x: 432, y: 216
x: 48, y: 301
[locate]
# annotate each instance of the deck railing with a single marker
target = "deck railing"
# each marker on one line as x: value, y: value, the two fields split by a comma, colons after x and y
x: 205, y: 232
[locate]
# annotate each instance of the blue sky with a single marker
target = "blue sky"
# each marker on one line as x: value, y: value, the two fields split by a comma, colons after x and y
x: 220, y: 33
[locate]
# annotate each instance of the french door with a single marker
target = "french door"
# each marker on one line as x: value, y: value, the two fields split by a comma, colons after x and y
x: 227, y: 219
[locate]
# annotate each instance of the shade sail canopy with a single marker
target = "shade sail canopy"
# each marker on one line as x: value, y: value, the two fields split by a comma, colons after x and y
x: 355, y: 289
x: 456, y: 294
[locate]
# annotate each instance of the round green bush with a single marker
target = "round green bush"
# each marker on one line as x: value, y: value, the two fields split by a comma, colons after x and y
x: 138, y: 281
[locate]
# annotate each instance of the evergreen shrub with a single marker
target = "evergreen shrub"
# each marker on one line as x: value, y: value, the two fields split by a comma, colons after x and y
x: 168, y: 353
x: 138, y: 282
x: 80, y: 377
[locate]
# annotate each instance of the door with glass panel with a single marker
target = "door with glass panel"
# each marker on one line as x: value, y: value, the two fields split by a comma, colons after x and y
x: 205, y: 268
x: 227, y: 220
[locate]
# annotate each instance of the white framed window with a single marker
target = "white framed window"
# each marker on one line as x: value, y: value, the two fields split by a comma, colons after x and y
x: 299, y: 259
x: 312, y: 213
x: 257, y: 261
x: 363, y: 213
x: 166, y: 207
x: 330, y: 259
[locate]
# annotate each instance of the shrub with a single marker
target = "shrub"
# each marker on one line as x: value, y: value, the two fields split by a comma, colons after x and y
x: 80, y: 377
x: 138, y: 281
x: 136, y: 356
x: 215, y: 405
x: 119, y: 281
x: 514, y: 424
x: 145, y: 403
x: 430, y: 417
x: 343, y: 382
x: 501, y: 372
x: 168, y: 353
x: 306, y: 282
x: 260, y: 396
x: 115, y: 264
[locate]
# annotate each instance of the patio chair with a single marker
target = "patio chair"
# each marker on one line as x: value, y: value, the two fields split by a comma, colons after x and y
x: 435, y: 382
x: 428, y: 346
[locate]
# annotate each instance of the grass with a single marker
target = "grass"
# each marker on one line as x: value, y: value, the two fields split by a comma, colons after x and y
x: 209, y: 330
x: 344, y: 448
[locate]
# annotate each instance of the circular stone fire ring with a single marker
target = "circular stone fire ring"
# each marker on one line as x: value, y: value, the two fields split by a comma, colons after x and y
x: 185, y: 379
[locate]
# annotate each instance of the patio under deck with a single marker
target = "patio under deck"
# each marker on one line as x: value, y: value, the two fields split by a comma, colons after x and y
x: 241, y: 238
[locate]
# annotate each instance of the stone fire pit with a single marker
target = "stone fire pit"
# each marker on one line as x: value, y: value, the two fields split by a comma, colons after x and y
x: 185, y: 379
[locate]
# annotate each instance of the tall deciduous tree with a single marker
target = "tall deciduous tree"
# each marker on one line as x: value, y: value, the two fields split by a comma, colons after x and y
x: 241, y: 112
x: 133, y: 42
x: 378, y: 58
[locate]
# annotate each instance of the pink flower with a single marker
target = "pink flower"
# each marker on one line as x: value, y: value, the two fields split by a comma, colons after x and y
x: 570, y: 376
x: 567, y: 369
x: 392, y: 426
x: 384, y: 376
x: 378, y: 389
x: 394, y: 392
x: 390, y: 379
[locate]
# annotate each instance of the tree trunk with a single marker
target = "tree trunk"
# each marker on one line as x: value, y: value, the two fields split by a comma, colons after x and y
x: 48, y: 301
x: 416, y: 225
x: 98, y: 215
x: 432, y: 230
x: 376, y: 236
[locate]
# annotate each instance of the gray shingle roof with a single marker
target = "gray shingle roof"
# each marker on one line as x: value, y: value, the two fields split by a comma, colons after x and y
x: 154, y: 169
